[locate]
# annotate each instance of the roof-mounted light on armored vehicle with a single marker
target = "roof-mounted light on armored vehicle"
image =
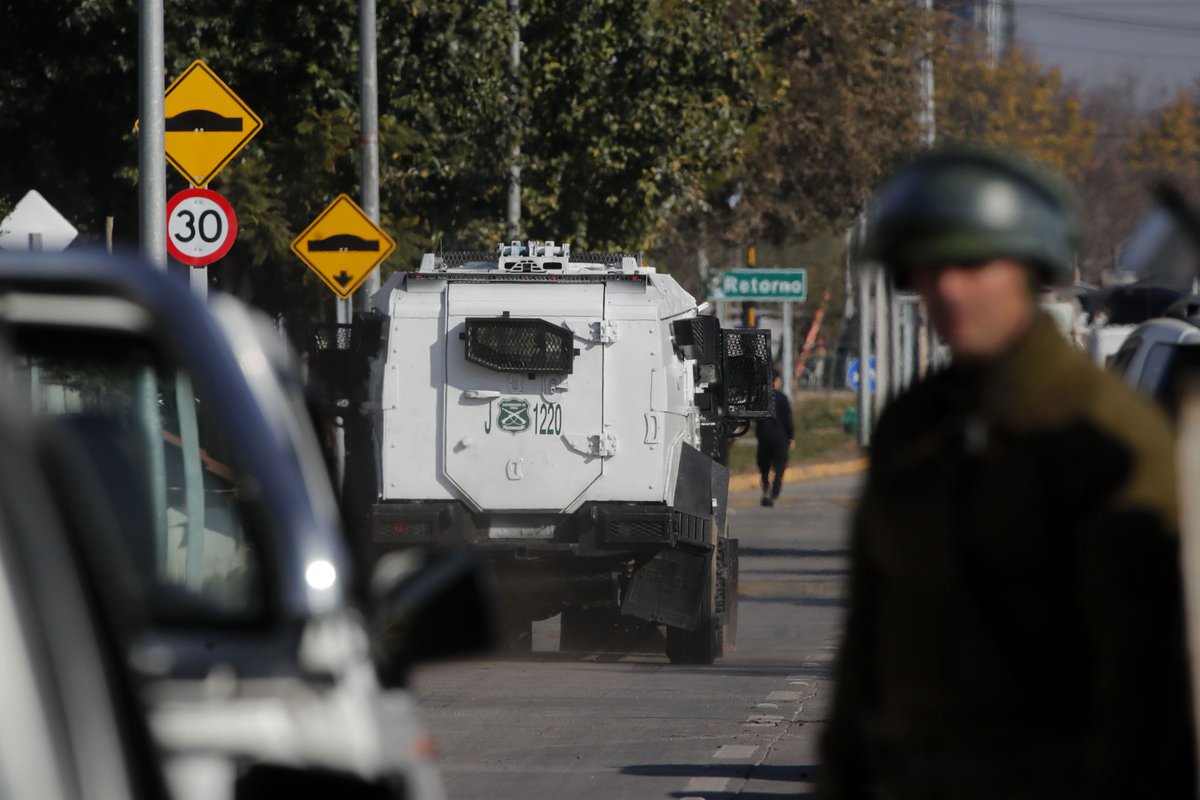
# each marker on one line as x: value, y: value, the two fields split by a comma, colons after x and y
x: 533, y: 257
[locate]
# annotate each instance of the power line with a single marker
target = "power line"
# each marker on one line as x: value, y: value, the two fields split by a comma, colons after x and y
x: 1119, y: 4
x: 1164, y: 26
x: 1194, y: 58
x: 1124, y: 5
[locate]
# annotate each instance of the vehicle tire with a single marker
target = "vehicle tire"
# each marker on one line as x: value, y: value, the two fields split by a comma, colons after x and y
x: 606, y: 629
x: 727, y: 595
x: 702, y: 645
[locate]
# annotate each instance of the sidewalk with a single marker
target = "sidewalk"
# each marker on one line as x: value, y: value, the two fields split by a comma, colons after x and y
x: 801, y: 472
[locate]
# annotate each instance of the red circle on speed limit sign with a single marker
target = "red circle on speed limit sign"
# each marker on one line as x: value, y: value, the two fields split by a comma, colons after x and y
x: 201, y: 227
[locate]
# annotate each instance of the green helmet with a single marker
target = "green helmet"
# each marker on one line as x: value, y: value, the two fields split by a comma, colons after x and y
x: 964, y: 206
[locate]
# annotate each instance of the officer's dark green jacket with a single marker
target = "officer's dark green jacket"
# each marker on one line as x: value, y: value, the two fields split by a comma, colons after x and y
x: 1015, y: 626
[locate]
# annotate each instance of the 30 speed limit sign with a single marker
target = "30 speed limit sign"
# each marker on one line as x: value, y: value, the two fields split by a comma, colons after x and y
x: 201, y: 227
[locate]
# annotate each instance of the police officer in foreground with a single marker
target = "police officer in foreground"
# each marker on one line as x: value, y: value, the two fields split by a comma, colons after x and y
x: 1015, y: 629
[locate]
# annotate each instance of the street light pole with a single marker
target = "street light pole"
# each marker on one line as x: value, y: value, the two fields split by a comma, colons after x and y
x: 513, y: 216
x: 926, y: 111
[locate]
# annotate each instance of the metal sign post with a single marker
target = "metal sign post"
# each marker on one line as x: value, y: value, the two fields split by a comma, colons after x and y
x: 864, y: 356
x: 152, y: 171
x: 787, y: 352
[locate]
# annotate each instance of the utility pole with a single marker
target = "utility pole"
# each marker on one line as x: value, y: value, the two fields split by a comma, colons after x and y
x: 926, y: 112
x: 152, y: 148
x: 513, y: 218
x: 152, y: 219
x: 992, y: 30
x: 368, y: 101
x: 865, y: 382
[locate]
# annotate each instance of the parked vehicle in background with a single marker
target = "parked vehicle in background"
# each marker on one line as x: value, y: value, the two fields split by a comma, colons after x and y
x: 1147, y: 358
x: 220, y: 537
x: 1104, y: 341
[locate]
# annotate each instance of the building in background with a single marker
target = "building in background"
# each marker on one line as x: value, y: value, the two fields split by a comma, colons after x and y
x: 994, y: 19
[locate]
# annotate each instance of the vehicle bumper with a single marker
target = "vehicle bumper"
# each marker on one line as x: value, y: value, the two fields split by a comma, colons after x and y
x: 595, y: 530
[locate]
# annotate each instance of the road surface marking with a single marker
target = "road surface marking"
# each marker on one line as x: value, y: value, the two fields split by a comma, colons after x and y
x: 736, y: 750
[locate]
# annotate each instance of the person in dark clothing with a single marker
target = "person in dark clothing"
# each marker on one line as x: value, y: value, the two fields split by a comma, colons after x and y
x: 776, y: 436
x: 1016, y: 621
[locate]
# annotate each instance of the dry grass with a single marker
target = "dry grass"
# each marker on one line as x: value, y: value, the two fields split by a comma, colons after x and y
x: 819, y: 435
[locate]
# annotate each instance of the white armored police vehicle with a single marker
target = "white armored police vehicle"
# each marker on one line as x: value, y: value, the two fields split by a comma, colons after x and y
x: 561, y: 415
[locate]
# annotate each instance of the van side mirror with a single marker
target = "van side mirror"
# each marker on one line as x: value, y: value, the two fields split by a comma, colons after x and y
x: 428, y: 606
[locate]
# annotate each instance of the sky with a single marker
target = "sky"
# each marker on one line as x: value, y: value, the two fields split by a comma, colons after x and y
x: 1094, y: 40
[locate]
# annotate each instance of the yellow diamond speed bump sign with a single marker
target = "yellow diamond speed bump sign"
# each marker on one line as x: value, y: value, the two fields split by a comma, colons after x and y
x: 206, y: 124
x: 342, y: 245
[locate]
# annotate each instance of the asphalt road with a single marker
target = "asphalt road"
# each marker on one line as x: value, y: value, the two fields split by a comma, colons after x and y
x: 608, y: 725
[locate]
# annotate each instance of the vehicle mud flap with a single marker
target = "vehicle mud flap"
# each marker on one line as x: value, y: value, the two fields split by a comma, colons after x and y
x: 727, y: 595
x: 701, y: 643
x: 668, y: 588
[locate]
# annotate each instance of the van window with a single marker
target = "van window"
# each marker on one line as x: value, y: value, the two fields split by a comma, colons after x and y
x: 163, y: 467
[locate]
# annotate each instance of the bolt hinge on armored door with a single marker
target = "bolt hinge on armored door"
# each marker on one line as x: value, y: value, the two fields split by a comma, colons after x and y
x: 604, y: 332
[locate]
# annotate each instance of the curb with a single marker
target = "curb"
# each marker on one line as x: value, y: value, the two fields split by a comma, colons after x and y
x: 804, y: 472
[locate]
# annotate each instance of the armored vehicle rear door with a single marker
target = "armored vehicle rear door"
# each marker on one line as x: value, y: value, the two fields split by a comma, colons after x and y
x: 523, y: 425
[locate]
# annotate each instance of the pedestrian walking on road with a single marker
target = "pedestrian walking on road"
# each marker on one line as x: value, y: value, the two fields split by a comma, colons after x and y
x: 776, y: 436
x: 1015, y: 627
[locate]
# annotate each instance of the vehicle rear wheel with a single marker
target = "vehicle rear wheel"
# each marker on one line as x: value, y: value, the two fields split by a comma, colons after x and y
x: 702, y: 645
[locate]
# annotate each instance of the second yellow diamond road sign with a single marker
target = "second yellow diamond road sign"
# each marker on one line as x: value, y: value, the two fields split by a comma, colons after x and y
x: 206, y: 124
x: 342, y: 245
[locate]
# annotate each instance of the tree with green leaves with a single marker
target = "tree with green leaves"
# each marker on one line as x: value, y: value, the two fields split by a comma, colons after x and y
x: 627, y: 108
x: 836, y: 108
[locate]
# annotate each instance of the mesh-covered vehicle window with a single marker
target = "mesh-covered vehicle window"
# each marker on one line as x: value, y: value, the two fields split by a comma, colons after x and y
x: 519, y: 345
x: 146, y: 445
